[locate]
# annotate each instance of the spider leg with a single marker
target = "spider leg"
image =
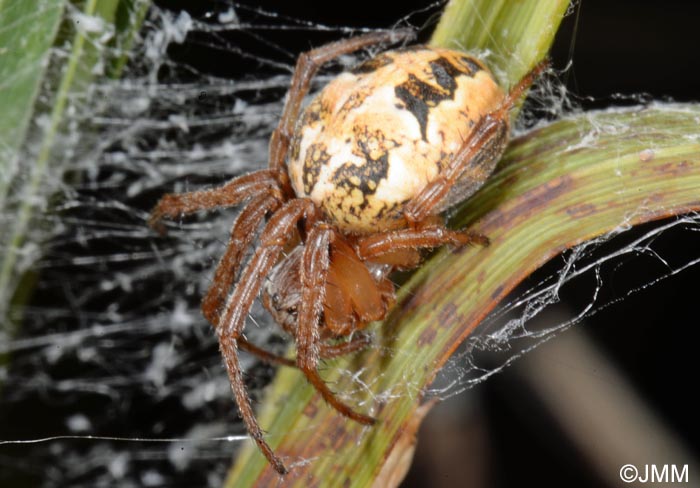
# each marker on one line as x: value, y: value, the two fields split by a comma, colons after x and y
x: 264, y: 355
x: 232, y: 193
x: 274, y: 236
x: 326, y: 351
x: 277, y: 231
x: 487, y: 139
x: 307, y: 65
x: 242, y: 234
x: 431, y: 236
x: 490, y: 129
x: 229, y: 349
x: 314, y: 271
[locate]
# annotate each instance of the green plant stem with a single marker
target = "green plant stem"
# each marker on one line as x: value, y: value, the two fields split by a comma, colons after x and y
x: 27, y: 31
x: 518, y: 34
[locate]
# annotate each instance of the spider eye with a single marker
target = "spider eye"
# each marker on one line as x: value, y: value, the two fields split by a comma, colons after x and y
x: 292, y: 311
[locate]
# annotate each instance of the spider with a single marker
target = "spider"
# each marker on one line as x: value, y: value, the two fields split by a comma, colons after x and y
x: 355, y: 188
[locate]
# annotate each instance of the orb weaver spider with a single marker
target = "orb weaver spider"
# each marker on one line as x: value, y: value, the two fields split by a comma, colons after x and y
x: 354, y: 189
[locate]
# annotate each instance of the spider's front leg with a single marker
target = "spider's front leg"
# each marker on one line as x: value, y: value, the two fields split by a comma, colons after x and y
x: 314, y: 273
x: 234, y: 192
x: 242, y: 235
x: 279, y: 229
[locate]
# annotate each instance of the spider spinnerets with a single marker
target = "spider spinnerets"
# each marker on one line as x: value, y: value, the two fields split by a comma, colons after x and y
x: 354, y: 190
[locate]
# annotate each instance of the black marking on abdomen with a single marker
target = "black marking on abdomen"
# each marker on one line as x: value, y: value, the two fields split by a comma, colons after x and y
x: 373, y: 148
x: 315, y: 158
x: 420, y: 96
x: 413, y: 93
x: 445, y: 74
x: 469, y: 66
x: 365, y: 177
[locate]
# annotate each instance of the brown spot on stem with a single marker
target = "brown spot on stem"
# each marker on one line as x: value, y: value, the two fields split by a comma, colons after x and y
x: 674, y: 168
x: 530, y: 203
x: 427, y: 336
x: 338, y: 437
x: 497, y: 292
x: 310, y: 410
x: 581, y: 210
x: 446, y: 314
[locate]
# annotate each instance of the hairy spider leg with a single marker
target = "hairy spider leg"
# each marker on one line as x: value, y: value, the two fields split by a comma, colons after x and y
x: 232, y: 193
x: 278, y: 230
x: 488, y: 129
x: 357, y: 343
x: 326, y: 351
x: 314, y: 272
x: 377, y: 245
x: 242, y: 235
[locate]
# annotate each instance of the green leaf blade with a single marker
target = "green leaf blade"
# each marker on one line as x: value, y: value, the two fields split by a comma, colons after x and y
x: 27, y: 32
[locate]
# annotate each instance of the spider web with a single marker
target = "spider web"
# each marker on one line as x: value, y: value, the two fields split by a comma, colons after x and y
x: 115, y: 377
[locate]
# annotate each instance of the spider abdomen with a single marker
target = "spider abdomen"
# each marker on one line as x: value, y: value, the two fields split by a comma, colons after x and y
x: 374, y: 137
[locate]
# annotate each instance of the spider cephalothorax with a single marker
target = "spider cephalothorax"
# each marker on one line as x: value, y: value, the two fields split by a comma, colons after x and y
x: 354, y: 190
